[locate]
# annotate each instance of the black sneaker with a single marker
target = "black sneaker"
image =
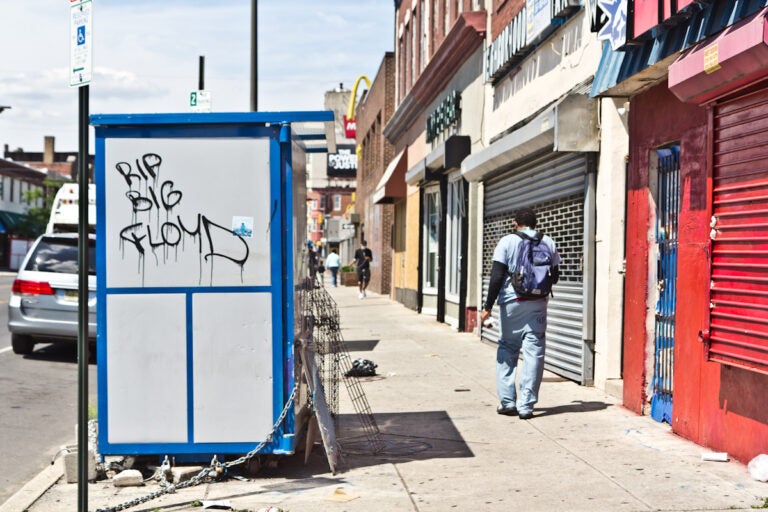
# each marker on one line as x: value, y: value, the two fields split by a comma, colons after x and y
x: 507, y: 411
x: 526, y: 415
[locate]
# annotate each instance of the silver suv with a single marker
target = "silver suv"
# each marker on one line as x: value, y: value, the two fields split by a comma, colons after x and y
x: 44, y: 297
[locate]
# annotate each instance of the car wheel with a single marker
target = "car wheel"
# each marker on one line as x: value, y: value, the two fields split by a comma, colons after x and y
x: 22, y: 344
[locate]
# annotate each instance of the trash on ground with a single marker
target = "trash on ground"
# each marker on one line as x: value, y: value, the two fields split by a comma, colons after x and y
x: 218, y: 505
x: 458, y: 390
x: 362, y: 368
x: 270, y: 509
x: 340, y: 496
x: 128, y: 478
x: 758, y: 468
x: 715, y: 456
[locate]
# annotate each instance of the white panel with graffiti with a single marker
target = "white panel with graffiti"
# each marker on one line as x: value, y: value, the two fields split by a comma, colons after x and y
x: 188, y: 212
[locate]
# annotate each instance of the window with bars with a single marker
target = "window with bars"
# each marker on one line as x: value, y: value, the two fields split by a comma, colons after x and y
x: 562, y: 219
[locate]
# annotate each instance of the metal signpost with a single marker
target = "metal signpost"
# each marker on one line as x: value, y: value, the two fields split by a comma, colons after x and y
x: 81, y: 72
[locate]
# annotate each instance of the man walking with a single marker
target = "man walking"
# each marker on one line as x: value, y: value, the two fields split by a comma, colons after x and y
x: 523, y: 316
x: 362, y: 261
x: 332, y: 262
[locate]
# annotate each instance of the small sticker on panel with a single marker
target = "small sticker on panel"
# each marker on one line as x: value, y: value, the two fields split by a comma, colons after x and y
x: 242, y: 226
x: 711, y: 59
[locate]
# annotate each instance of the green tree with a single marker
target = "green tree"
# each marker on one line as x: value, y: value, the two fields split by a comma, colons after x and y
x: 36, y: 218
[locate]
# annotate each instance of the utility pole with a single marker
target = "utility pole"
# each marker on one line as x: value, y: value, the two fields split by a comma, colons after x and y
x: 83, y: 349
x: 201, y: 74
x: 254, y: 56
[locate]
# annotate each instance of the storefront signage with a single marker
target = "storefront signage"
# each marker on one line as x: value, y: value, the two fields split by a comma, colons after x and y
x: 343, y: 164
x: 350, y: 120
x: 446, y: 114
x: 508, y: 48
x: 615, y: 28
x: 518, y: 38
x: 538, y: 17
x: 647, y: 14
x: 350, y: 127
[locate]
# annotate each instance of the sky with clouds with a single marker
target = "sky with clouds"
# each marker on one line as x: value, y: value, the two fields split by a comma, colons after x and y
x: 146, y: 58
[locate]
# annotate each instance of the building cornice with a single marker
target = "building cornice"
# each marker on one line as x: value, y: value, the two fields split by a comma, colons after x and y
x: 459, y: 45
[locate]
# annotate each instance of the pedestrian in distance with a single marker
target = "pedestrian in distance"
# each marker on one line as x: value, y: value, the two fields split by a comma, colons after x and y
x: 332, y: 262
x: 362, y: 261
x: 313, y: 262
x: 321, y: 271
x: 525, y: 266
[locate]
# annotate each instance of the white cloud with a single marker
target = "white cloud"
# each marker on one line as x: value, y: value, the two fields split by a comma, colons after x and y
x: 146, y: 58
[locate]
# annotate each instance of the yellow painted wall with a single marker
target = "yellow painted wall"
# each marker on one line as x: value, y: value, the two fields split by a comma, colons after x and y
x: 412, y: 239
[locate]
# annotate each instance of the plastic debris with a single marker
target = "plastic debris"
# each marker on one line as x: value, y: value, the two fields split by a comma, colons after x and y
x: 218, y: 505
x: 758, y: 468
x: 340, y: 496
x: 715, y: 456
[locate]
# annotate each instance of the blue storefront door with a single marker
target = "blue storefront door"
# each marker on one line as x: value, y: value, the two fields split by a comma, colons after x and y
x: 667, y: 215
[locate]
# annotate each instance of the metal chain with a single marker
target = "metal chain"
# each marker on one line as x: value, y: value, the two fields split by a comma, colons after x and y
x: 210, y: 472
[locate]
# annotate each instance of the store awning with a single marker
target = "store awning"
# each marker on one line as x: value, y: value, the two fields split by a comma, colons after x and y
x: 646, y: 62
x: 9, y: 220
x: 448, y: 155
x: 535, y: 136
x: 392, y: 187
x: 723, y: 63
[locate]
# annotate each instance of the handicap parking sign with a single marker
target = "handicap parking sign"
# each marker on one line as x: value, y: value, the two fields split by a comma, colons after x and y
x: 80, y: 42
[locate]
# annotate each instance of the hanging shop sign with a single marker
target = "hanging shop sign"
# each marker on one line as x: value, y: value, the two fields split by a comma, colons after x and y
x: 614, y: 22
x: 446, y: 114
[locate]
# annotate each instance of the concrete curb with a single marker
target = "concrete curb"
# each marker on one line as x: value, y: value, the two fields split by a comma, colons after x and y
x: 31, y: 492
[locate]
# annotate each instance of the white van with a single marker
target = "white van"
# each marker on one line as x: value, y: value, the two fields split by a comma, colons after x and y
x: 65, y: 213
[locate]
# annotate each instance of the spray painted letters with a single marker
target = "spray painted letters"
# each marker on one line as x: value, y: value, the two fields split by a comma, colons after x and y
x: 156, y: 228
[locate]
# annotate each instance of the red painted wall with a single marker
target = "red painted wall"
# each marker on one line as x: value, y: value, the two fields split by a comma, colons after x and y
x: 717, y: 406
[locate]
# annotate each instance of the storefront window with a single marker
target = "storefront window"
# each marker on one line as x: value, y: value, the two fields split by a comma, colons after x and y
x: 431, y: 236
x: 453, y: 233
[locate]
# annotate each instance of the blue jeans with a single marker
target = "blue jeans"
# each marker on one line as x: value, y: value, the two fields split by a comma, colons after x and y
x: 523, y: 327
x: 334, y: 273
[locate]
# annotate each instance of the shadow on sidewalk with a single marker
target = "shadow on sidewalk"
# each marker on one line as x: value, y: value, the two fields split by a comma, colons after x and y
x: 413, y: 435
x: 361, y: 345
x: 575, y: 406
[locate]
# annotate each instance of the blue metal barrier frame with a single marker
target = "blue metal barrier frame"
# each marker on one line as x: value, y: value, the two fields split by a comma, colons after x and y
x: 189, y: 126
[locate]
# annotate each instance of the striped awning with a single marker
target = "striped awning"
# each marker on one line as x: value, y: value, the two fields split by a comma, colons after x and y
x: 9, y: 220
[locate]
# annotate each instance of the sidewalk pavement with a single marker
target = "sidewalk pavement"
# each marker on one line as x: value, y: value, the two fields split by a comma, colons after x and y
x: 446, y: 448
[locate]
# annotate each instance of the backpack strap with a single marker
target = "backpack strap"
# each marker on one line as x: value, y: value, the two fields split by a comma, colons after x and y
x: 535, y: 238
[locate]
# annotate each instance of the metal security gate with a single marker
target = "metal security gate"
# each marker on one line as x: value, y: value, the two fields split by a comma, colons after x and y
x: 667, y: 215
x: 557, y: 186
x: 738, y: 330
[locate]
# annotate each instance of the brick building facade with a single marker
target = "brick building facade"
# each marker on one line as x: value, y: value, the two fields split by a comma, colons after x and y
x: 376, y: 152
